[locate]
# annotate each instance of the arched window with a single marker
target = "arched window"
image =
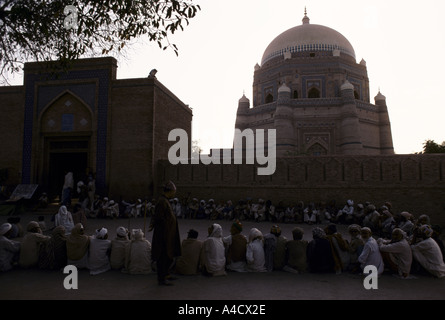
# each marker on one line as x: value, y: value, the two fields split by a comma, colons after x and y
x: 313, y: 93
x: 269, y: 98
x: 295, y: 96
x: 356, y: 95
x: 317, y: 150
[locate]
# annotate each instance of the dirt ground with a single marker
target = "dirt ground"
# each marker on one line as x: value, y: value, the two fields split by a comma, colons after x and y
x: 36, y: 284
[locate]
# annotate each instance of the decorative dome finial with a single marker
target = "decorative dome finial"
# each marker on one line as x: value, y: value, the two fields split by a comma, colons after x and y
x: 305, y: 18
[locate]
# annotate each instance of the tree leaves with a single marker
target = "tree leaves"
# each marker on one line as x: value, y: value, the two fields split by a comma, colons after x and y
x: 33, y: 30
x: 430, y: 146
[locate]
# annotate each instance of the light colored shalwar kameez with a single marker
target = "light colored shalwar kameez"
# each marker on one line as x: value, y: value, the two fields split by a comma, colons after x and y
x: 213, y: 252
x: 138, y: 255
x: 99, y: 252
x: 400, y: 253
x: 427, y: 253
x: 256, y: 261
x: 371, y: 255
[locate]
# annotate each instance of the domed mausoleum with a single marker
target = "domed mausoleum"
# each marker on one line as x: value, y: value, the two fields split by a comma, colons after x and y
x: 310, y: 88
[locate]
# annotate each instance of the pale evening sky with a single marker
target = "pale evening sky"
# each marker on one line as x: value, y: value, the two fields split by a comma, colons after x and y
x: 402, y: 42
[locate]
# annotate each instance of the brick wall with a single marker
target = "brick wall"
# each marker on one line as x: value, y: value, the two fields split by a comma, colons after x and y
x: 11, y: 131
x: 415, y: 183
x: 131, y: 151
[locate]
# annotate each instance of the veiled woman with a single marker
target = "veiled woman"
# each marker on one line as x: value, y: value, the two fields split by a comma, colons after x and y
x: 64, y: 218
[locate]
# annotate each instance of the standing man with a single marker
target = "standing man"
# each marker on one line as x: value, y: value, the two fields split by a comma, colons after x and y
x: 166, y: 244
x: 67, y: 189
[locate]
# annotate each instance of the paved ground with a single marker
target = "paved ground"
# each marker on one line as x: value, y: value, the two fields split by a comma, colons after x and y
x: 48, y: 285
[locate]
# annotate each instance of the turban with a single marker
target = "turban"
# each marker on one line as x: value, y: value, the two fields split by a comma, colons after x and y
x: 138, y: 234
x: 254, y: 234
x: 406, y: 214
x: 169, y: 186
x: 424, y: 219
x: 426, y: 230
x: 32, y: 225
x: 275, y: 229
x: 297, y: 232
x: 101, y: 233
x: 387, y: 213
x: 122, y: 232
x: 350, y: 203
x: 5, y: 228
x: 354, y: 227
x: 318, y: 232
x: 400, y: 232
x: 237, y: 224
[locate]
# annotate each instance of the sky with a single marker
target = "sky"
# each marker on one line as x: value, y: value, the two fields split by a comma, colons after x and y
x: 402, y: 42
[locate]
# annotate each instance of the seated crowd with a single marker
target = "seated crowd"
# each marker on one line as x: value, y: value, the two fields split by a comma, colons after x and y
x: 399, y: 244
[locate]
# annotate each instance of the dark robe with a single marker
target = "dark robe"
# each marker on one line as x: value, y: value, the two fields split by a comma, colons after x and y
x: 319, y: 256
x: 53, y: 253
x: 237, y: 250
x: 165, y: 231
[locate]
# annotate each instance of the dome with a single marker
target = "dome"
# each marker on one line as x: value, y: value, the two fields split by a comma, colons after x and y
x: 307, y: 37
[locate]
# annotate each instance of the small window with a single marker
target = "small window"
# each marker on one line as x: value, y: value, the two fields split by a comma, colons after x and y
x: 312, y: 54
x: 269, y: 98
x: 295, y: 95
x: 356, y: 95
x: 313, y: 93
x: 317, y: 150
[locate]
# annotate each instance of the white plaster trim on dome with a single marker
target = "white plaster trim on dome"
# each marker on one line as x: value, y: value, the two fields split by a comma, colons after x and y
x: 284, y: 88
x: 307, y: 37
x: 380, y: 97
x: 287, y: 55
x: 347, y: 86
x: 306, y: 48
x: 244, y: 99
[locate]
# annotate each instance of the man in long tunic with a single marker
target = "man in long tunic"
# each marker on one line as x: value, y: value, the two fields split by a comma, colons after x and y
x: 166, y: 244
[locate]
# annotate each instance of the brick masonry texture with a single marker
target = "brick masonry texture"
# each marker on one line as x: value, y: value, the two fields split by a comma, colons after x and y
x: 413, y: 183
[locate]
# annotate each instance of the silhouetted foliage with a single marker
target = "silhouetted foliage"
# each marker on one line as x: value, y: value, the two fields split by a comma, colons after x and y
x: 63, y: 30
x: 430, y: 146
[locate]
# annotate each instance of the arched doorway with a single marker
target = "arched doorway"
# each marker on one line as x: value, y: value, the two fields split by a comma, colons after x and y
x: 269, y: 98
x: 65, y: 156
x: 317, y: 150
x: 313, y: 93
x: 67, y: 133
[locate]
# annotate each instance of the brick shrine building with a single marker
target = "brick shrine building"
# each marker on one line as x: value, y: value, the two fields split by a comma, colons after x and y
x: 87, y: 121
x: 311, y: 90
